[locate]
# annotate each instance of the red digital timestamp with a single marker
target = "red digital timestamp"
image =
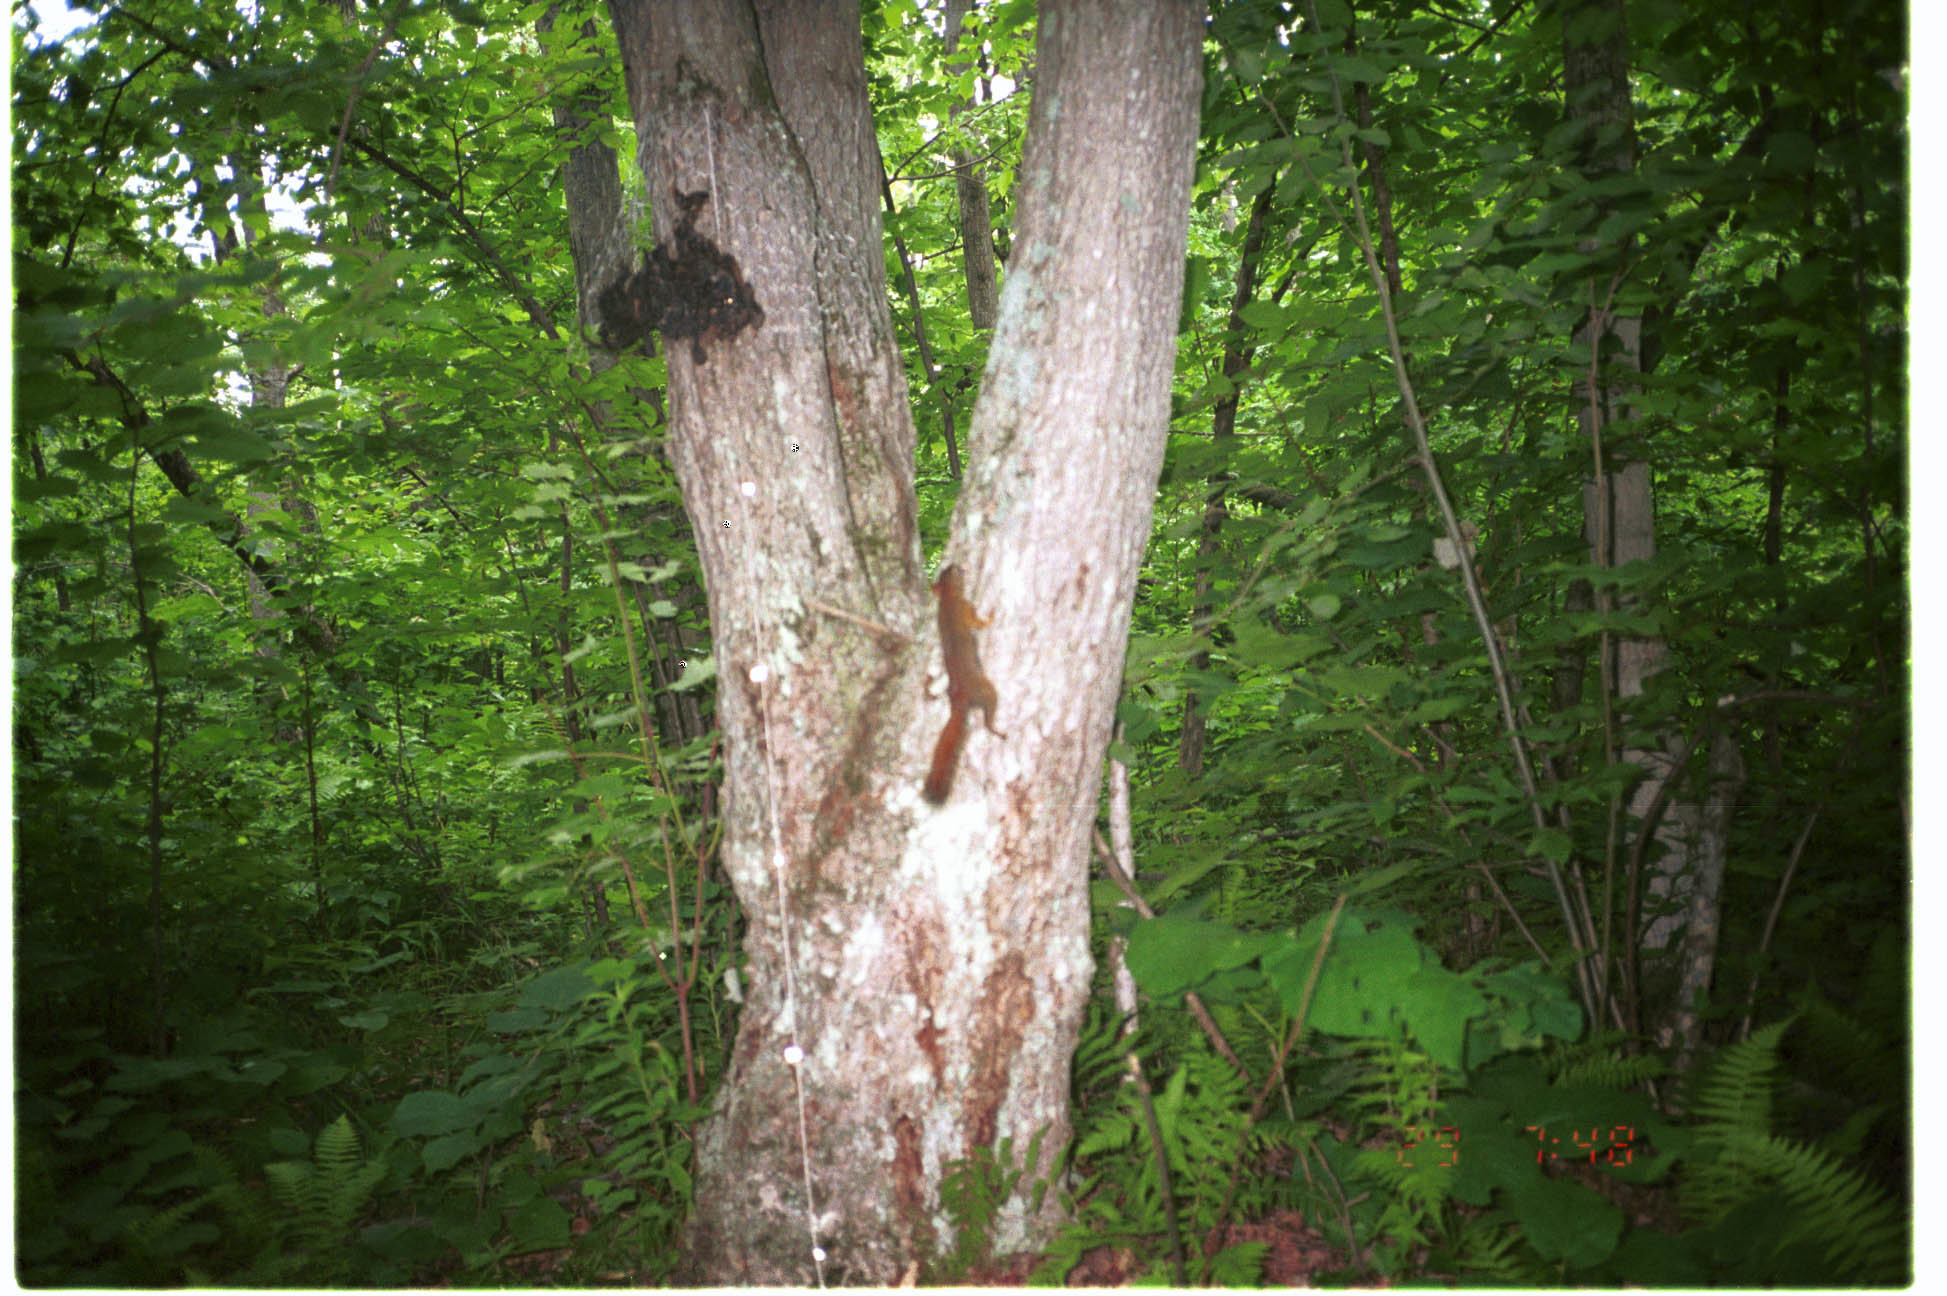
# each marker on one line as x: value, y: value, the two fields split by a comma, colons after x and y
x: 1444, y: 1140
x: 1614, y: 1148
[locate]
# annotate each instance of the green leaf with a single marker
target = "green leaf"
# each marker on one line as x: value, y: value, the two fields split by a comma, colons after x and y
x: 1564, y: 1221
x: 1440, y: 708
x: 1551, y: 844
x: 516, y: 1021
x: 449, y: 1150
x: 311, y: 1076
x: 540, y: 1225
x: 562, y: 988
x: 487, y: 1067
x: 1171, y: 954
x: 1538, y: 1000
x: 1362, y: 986
x: 290, y: 1142
x: 431, y: 1111
x: 1262, y: 314
x: 214, y: 434
x: 1438, y: 1006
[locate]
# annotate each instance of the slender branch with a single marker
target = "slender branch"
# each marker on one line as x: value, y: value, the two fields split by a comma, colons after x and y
x: 1771, y: 919
x: 457, y: 217
x: 875, y: 627
x: 148, y: 634
x: 228, y: 527
x: 1276, y: 1072
x: 1190, y: 997
x: 1470, y: 578
x: 351, y: 105
x: 1135, y: 1068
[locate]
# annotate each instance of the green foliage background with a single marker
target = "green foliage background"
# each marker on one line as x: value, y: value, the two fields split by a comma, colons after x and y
x: 352, y: 946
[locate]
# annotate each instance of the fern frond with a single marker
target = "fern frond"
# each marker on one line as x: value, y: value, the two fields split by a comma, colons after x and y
x: 1560, y: 1058
x: 246, y: 1217
x: 1855, y: 1223
x: 162, y: 1237
x: 1835, y: 1038
x: 345, y: 1180
x: 1617, y: 1072
x: 1112, y: 1131
x: 291, y: 1184
x: 1738, y: 1091
x: 1098, y: 1052
x: 1240, y: 1264
x: 1838, y: 1209
x: 327, y: 1193
x: 1733, y: 1095
x: 1489, y: 1250
x: 1849, y: 1138
x: 337, y: 1148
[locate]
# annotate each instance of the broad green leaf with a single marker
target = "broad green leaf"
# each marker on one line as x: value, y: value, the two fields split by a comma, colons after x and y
x: 1564, y: 1221
x: 540, y: 1224
x: 1168, y: 955
x: 562, y: 988
x: 431, y: 1111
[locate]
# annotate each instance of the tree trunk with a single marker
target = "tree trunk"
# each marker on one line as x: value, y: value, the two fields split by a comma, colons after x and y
x: 970, y: 187
x: 1682, y: 1026
x: 1238, y: 349
x: 916, y: 975
x: 1620, y: 524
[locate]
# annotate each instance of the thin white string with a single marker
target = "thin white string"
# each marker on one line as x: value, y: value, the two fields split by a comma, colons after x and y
x: 710, y: 149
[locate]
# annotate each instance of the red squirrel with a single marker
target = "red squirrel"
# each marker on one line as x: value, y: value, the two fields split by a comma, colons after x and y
x: 967, y: 686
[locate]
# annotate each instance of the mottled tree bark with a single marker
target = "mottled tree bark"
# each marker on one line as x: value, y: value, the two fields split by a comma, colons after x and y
x: 916, y: 976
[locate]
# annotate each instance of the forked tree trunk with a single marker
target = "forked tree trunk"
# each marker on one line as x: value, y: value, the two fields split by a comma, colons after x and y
x: 917, y: 975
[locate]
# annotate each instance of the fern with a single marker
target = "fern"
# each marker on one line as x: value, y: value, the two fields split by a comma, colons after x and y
x: 1098, y: 1053
x: 973, y: 1191
x: 326, y: 1194
x: 1738, y: 1091
x: 629, y: 1083
x: 1849, y: 1138
x: 1201, y: 1112
x: 1239, y: 1265
x: 243, y: 1246
x: 1485, y: 1248
x: 1398, y: 1095
x: 1837, y: 1209
x: 1854, y: 1223
x: 245, y: 1213
x: 1839, y: 1041
x: 1612, y: 1071
x: 1848, y: 1073
x: 159, y: 1239
x: 1735, y: 1096
x: 1092, y: 1222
